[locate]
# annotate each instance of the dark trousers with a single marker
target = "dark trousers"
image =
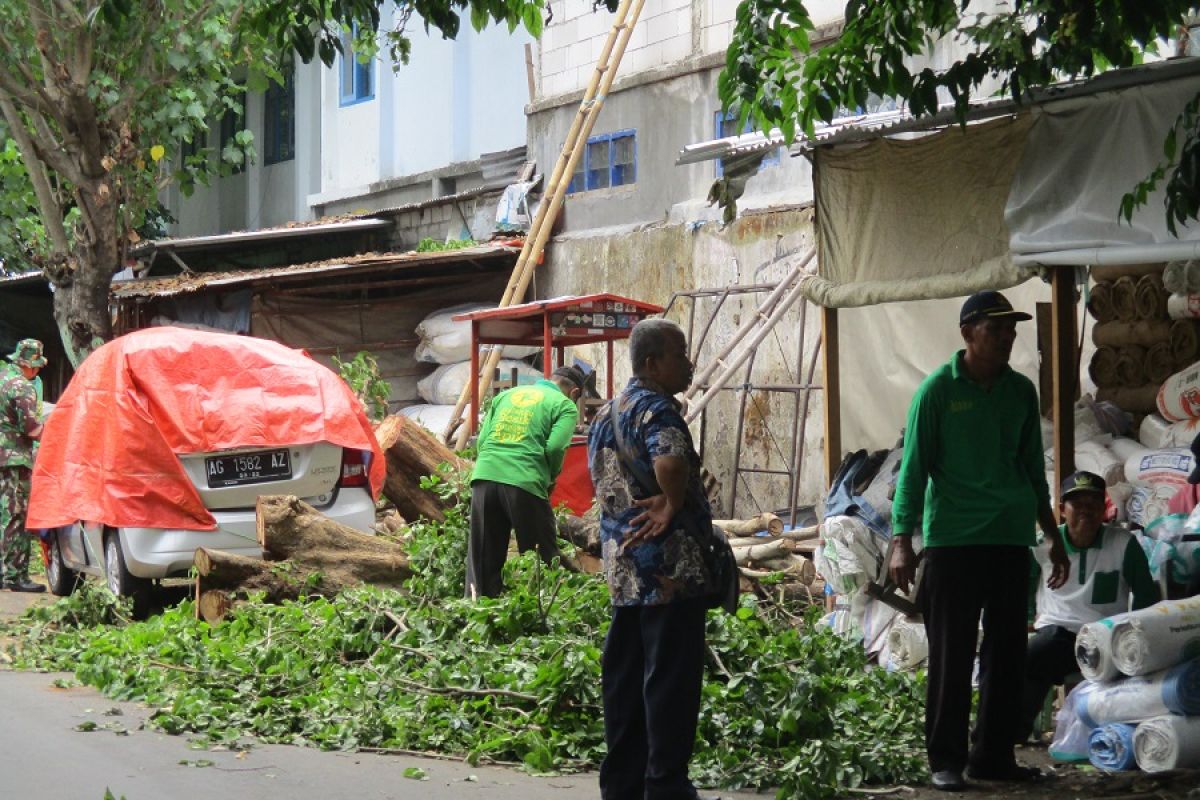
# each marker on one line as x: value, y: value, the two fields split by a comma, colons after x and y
x: 652, y: 672
x: 1049, y: 660
x: 959, y: 585
x: 498, y: 509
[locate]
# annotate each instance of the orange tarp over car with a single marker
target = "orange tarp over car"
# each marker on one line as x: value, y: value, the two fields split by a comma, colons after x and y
x: 108, y: 452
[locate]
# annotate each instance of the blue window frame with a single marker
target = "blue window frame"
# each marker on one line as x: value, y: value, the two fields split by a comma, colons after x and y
x: 725, y: 125
x: 279, y: 121
x: 356, y: 81
x: 609, y: 159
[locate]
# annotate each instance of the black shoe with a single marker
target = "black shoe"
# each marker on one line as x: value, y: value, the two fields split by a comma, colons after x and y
x: 24, y: 585
x: 948, y: 780
x: 1011, y: 773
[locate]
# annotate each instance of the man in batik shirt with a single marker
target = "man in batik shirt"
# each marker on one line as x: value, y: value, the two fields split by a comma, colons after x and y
x: 654, y: 654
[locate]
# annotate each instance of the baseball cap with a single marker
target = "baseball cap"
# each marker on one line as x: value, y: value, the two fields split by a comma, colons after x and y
x: 988, y: 305
x: 1080, y: 482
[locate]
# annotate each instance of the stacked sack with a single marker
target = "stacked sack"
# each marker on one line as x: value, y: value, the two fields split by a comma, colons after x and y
x: 1140, y: 704
x: 1138, y: 344
x: 447, y: 343
x: 1101, y: 447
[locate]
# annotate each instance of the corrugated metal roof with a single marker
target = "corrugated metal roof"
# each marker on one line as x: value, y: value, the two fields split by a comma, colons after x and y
x: 890, y: 123
x: 21, y: 279
x: 343, y: 267
x: 295, y: 231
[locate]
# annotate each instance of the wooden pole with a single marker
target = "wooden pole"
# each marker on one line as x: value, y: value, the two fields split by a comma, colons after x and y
x: 547, y: 349
x: 543, y: 221
x: 1065, y: 377
x: 609, y: 377
x: 833, y: 392
x: 474, y: 383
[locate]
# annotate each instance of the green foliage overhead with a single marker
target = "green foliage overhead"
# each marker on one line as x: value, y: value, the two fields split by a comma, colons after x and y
x: 771, y: 78
x: 515, y: 679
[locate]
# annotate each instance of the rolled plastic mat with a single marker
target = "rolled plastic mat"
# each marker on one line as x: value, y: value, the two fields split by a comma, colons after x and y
x: 1167, y: 742
x: 1150, y: 298
x: 1100, y: 302
x: 1110, y: 747
x: 1093, y: 650
x: 1158, y: 637
x: 1179, y: 306
x: 1169, y: 691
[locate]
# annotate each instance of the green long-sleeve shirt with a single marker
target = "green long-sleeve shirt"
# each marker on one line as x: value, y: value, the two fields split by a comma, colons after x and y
x: 973, y: 466
x: 525, y: 436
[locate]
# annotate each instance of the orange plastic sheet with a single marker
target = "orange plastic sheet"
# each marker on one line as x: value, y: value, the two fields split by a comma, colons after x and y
x: 108, y: 452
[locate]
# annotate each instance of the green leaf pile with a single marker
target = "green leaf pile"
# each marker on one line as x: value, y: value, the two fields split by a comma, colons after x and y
x: 516, y: 679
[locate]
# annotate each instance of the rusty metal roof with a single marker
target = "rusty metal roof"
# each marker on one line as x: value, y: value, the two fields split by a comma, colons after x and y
x: 292, y: 231
x: 393, y: 264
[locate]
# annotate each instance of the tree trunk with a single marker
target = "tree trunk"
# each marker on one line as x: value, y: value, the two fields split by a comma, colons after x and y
x: 213, y: 605
x: 765, y: 521
x: 413, y: 453
x: 221, y: 571
x: 289, y: 528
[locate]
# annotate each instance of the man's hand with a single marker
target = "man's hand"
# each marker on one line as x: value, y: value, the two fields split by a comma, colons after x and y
x: 903, y: 568
x: 654, y: 521
x: 1060, y: 564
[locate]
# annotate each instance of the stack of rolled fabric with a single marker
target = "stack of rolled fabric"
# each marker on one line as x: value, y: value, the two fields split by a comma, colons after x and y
x: 1141, y: 339
x: 1142, y: 701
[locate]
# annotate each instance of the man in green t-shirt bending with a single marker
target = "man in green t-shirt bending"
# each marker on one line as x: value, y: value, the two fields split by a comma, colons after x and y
x: 973, y: 472
x: 522, y: 444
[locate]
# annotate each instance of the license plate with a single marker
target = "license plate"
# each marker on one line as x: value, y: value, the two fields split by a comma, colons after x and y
x: 248, y: 468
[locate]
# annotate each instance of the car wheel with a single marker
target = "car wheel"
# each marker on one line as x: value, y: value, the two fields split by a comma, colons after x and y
x: 120, y: 581
x: 62, y: 579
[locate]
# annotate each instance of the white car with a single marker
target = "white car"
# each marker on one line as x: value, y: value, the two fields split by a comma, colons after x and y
x: 326, y: 476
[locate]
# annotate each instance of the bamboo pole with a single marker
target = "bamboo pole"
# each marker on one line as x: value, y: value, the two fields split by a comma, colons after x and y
x: 543, y: 221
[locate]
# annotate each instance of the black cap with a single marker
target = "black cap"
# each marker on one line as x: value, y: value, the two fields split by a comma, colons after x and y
x: 1195, y: 476
x: 571, y: 373
x: 1080, y: 482
x: 988, y: 305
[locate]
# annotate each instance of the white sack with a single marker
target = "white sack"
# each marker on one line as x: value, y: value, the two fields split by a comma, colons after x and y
x: 1098, y: 459
x: 1183, y: 306
x: 1153, y: 432
x: 1158, y: 637
x: 1125, y: 448
x: 908, y: 646
x: 1093, y: 650
x: 444, y: 341
x: 1070, y: 741
x: 1182, y: 277
x: 444, y: 385
x: 1167, y: 742
x: 430, y: 417
x: 1179, y: 396
x: 1161, y: 466
x: 1120, y: 493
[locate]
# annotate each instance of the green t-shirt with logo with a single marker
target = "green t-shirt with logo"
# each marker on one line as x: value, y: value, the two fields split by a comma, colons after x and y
x: 525, y: 436
x: 973, y: 467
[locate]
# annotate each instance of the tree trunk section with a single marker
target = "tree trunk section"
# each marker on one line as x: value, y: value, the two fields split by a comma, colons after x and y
x: 765, y: 521
x: 413, y: 453
x: 213, y: 606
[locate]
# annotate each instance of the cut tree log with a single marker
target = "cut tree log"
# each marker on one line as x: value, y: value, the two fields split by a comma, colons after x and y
x: 759, y: 552
x: 213, y: 605
x: 413, y: 453
x: 289, y: 528
x: 765, y: 521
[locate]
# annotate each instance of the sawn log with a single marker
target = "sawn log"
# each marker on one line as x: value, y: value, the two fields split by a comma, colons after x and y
x: 412, y: 453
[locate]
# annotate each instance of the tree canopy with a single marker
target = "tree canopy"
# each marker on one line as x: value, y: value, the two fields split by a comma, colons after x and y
x: 771, y: 78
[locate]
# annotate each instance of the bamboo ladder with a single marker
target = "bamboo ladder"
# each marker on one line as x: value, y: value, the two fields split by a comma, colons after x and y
x: 543, y: 220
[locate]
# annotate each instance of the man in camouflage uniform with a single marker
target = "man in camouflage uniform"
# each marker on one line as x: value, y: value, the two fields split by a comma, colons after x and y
x: 20, y: 428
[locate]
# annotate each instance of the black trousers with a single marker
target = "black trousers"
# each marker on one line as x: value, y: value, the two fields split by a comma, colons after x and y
x: 498, y: 509
x: 959, y: 585
x: 1049, y: 660
x: 652, y: 673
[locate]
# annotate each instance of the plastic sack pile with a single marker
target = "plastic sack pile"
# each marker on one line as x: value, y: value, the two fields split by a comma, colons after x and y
x: 1140, y: 704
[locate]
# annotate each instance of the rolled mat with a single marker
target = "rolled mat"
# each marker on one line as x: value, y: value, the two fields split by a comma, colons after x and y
x: 1100, y: 302
x: 1110, y: 747
x: 1110, y: 272
x: 1167, y: 742
x: 1143, y: 333
x: 1134, y: 399
x: 1124, y: 290
x: 1131, y: 366
x: 1159, y: 363
x: 1179, y: 306
x: 1158, y: 637
x: 1181, y: 277
x: 1103, y: 367
x: 1093, y: 650
x: 1185, y: 342
x: 1150, y: 298
x: 1168, y: 691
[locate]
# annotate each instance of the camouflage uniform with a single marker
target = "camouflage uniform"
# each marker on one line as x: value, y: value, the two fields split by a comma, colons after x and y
x: 18, y: 418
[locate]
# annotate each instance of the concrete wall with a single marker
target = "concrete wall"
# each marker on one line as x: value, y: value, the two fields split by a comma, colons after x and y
x: 651, y: 262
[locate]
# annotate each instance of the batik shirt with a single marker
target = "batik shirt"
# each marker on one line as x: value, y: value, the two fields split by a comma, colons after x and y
x: 669, y: 567
x: 18, y: 416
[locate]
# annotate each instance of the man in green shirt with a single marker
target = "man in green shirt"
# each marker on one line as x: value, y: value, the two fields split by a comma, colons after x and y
x: 522, y: 444
x: 973, y: 473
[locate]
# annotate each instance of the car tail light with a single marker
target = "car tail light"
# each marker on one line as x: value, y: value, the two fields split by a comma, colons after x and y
x: 354, y: 468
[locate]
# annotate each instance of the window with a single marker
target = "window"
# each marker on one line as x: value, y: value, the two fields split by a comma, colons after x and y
x: 233, y: 122
x: 726, y: 125
x: 195, y: 147
x: 355, y: 79
x: 609, y: 159
x: 279, y: 121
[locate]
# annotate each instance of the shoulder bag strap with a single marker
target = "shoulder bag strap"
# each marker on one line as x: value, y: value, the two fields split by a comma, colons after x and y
x: 645, y: 481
